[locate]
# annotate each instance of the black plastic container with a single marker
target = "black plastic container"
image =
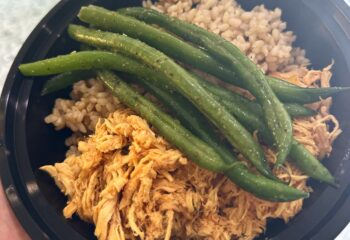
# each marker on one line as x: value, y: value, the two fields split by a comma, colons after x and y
x: 322, y: 28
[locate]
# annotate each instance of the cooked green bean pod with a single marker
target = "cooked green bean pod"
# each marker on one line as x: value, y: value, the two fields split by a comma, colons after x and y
x: 297, y: 110
x: 188, y: 115
x: 64, y: 80
x: 193, y: 147
x: 294, y: 110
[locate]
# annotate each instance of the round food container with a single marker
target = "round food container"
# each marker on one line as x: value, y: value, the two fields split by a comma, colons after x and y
x: 322, y: 28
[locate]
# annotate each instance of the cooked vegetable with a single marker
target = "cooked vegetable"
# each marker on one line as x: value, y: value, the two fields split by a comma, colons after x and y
x: 297, y: 110
x: 174, y: 47
x: 310, y: 165
x: 258, y: 185
x: 286, y: 92
x: 76, y: 61
x: 246, y: 113
x: 194, y: 121
x: 189, y: 116
x: 304, y: 160
x: 99, y: 59
x: 261, y: 186
x: 276, y: 117
x: 64, y: 80
x: 184, y: 83
x: 197, y: 150
x: 294, y: 110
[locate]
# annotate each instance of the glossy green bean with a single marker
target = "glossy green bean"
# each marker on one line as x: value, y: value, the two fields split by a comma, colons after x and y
x: 64, y: 80
x: 293, y: 109
x: 188, y: 115
x: 194, y: 148
x: 288, y: 92
x: 297, y: 110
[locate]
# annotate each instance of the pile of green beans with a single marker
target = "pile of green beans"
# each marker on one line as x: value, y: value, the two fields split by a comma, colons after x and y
x: 186, y: 53
x: 188, y: 115
x: 199, y: 109
x: 253, y: 79
x: 251, y: 119
x: 184, y: 83
x: 169, y: 128
x: 196, y: 149
x: 275, y: 114
x: 87, y: 60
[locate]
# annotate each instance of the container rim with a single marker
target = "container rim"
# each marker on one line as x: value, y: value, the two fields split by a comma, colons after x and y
x: 14, y: 189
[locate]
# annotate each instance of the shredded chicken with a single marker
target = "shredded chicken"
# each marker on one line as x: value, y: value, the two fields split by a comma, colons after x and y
x: 130, y: 183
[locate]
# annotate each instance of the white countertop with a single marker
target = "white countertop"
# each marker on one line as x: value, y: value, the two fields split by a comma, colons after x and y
x: 17, y: 20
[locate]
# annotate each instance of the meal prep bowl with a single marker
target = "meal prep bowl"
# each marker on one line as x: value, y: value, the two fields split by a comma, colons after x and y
x: 26, y: 142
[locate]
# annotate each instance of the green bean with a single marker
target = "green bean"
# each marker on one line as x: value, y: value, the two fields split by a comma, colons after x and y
x: 189, y: 116
x: 257, y: 185
x: 297, y: 110
x: 251, y: 119
x: 77, y: 61
x: 184, y: 83
x: 286, y: 92
x: 262, y: 187
x: 85, y: 61
x: 246, y: 113
x: 294, y: 110
x: 303, y: 159
x: 194, y: 148
x: 163, y: 41
x: 64, y: 80
x: 311, y: 166
x: 275, y: 115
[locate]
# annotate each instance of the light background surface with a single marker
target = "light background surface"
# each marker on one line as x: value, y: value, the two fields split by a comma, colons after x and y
x: 17, y: 19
